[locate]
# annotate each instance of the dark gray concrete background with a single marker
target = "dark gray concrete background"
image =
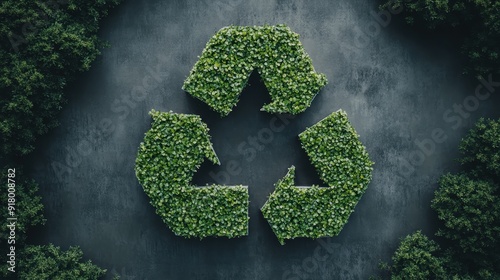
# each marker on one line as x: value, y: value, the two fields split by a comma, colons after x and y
x: 394, y: 85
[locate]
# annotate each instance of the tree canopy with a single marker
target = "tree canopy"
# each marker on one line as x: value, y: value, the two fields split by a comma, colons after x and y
x: 477, y: 23
x: 480, y: 150
x: 48, y: 262
x: 418, y: 257
x: 49, y: 43
x: 468, y: 206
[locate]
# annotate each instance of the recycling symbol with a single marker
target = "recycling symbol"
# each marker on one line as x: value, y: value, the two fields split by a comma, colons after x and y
x: 177, y: 144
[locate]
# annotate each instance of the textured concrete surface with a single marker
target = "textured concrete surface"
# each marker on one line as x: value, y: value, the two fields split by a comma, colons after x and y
x: 398, y: 88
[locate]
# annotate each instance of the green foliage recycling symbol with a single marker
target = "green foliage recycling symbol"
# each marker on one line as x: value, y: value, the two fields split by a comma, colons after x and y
x: 177, y: 144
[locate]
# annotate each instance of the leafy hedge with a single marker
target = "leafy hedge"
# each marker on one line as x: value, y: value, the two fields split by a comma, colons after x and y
x: 302, y: 212
x: 172, y: 151
x: 337, y: 154
x: 342, y: 163
x: 234, y: 52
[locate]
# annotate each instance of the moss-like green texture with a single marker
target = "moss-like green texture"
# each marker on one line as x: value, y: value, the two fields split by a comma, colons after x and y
x: 342, y: 163
x: 172, y: 151
x: 234, y: 52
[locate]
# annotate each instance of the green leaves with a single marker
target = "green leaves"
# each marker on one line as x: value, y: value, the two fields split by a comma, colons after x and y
x: 230, y: 56
x: 468, y: 203
x: 301, y: 212
x: 475, y: 23
x: 45, y: 45
x: 28, y: 211
x: 470, y: 211
x: 342, y: 163
x: 418, y: 257
x: 176, y: 145
x: 468, y: 206
x: 172, y: 151
x: 48, y: 262
x: 335, y: 151
x: 480, y: 150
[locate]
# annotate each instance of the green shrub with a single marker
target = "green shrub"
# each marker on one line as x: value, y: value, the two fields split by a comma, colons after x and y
x: 49, y: 262
x: 28, y: 210
x: 468, y: 205
x: 342, y: 163
x: 480, y: 150
x: 230, y: 56
x: 418, y: 258
x: 172, y: 151
x: 45, y: 45
x: 470, y: 212
x: 28, y: 205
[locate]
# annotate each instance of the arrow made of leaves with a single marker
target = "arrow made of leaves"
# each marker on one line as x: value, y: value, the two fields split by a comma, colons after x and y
x: 172, y: 151
x: 231, y: 55
x: 342, y: 163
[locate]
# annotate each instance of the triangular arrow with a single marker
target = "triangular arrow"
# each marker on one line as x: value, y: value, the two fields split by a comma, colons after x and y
x: 172, y: 151
x: 342, y: 163
x: 231, y: 55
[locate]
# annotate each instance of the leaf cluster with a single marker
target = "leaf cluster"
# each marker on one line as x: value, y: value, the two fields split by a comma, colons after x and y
x: 231, y: 55
x: 338, y: 155
x: 468, y: 206
x: 45, y: 45
x: 470, y: 211
x: 480, y: 150
x: 48, y: 262
x: 419, y: 258
x: 475, y: 24
x: 28, y: 210
x: 172, y: 151
x: 342, y: 163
